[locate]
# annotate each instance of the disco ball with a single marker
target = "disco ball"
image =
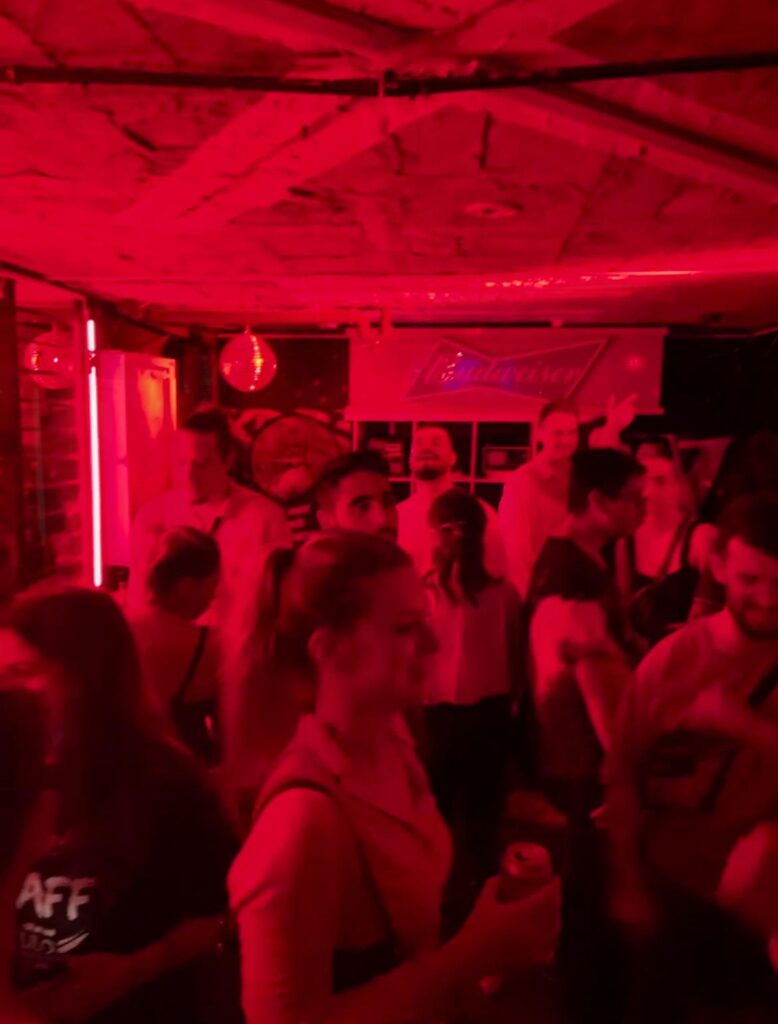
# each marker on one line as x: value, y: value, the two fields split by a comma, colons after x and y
x: 247, y: 362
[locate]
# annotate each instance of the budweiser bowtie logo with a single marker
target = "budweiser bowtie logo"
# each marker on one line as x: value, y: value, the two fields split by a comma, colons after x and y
x: 548, y: 374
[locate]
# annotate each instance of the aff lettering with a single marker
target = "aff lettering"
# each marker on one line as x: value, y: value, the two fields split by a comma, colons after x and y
x: 45, y: 896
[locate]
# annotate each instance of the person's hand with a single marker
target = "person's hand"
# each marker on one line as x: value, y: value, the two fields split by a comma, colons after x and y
x: 499, y: 937
x: 635, y: 911
x: 91, y: 984
x: 713, y: 709
x: 619, y: 415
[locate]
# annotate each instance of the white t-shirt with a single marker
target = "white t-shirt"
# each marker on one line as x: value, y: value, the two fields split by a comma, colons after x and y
x: 246, y: 526
x: 533, y: 507
x: 480, y: 646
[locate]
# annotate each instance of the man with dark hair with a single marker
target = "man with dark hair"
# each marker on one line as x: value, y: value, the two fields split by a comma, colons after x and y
x: 433, y: 461
x: 244, y: 523
x: 576, y: 626
x: 579, y: 670
x: 355, y: 493
x: 695, y: 772
x: 534, y: 501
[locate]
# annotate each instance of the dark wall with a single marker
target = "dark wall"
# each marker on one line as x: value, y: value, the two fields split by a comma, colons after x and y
x: 313, y: 373
x: 715, y: 386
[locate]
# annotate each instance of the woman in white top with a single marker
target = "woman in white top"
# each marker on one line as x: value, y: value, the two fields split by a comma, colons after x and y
x: 478, y: 674
x: 179, y: 657
x: 338, y: 886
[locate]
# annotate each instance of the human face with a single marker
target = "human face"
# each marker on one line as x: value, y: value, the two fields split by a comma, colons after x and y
x: 363, y: 502
x: 621, y: 516
x: 660, y: 486
x: 200, y: 467
x: 558, y: 434
x: 750, y: 578
x: 382, y: 662
x: 432, y: 454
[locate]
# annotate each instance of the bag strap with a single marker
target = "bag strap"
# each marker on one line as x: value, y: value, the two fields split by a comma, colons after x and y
x: 317, y: 787
x: 194, y: 664
x: 764, y: 688
x: 759, y: 695
x: 679, y: 536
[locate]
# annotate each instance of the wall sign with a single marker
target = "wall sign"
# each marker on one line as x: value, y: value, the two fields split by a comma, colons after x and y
x: 501, y: 374
x: 454, y: 368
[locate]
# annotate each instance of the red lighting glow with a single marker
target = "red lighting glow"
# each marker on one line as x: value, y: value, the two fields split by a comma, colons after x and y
x: 94, y: 455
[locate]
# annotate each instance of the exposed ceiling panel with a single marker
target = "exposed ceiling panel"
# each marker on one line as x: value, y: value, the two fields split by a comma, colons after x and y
x: 212, y: 200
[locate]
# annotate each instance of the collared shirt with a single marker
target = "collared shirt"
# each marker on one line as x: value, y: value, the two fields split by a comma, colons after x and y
x: 533, y: 507
x: 246, y: 525
x: 417, y: 538
x: 321, y: 873
x: 481, y: 645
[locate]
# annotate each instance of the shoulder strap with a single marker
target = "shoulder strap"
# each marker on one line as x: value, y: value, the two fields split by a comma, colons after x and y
x: 318, y: 787
x: 678, y: 537
x: 194, y: 664
x: 761, y: 693
x: 764, y: 688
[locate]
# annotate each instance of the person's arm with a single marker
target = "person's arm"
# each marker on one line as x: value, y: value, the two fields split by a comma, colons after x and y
x: 275, y: 531
x: 631, y: 901
x: 287, y: 888
x: 96, y: 981
x: 518, y: 531
x: 574, y: 634
x: 618, y: 416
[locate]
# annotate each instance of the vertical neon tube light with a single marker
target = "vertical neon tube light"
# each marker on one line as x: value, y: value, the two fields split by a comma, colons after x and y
x: 94, y: 455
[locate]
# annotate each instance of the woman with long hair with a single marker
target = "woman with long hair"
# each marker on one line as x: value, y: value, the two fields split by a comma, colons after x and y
x: 478, y: 675
x: 129, y: 891
x: 659, y: 567
x: 337, y: 890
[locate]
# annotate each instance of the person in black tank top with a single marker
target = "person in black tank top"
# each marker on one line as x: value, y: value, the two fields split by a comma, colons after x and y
x: 178, y: 651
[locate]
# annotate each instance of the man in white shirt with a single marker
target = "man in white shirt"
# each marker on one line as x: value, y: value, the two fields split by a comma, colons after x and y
x: 244, y: 523
x: 534, y: 500
x: 433, y: 460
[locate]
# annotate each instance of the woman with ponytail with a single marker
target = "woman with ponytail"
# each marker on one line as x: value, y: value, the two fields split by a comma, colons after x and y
x: 337, y: 890
x: 478, y: 619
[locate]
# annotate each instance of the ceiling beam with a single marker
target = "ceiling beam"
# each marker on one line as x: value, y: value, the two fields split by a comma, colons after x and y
x: 349, y: 132
x: 296, y: 23
x: 592, y: 122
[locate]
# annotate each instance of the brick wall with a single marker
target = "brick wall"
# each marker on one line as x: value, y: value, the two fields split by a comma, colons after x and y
x: 52, y: 521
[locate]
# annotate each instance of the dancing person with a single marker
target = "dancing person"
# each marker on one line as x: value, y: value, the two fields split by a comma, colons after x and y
x: 478, y: 675
x: 535, y: 497
x: 579, y: 670
x: 337, y: 890
x: 659, y: 566
x: 432, y: 462
x: 355, y: 493
x: 243, y: 522
x: 117, y: 917
x: 695, y: 771
x: 179, y: 658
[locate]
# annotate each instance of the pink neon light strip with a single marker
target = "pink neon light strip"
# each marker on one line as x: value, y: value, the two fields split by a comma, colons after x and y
x: 94, y: 458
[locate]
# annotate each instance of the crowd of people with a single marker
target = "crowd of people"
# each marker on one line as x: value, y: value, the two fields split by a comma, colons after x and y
x: 276, y: 785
